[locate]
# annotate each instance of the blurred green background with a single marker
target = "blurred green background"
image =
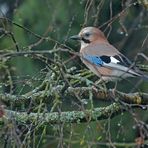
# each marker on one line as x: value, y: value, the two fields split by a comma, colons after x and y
x: 57, y: 20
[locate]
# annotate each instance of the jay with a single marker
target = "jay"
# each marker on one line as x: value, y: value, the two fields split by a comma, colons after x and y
x: 102, y: 58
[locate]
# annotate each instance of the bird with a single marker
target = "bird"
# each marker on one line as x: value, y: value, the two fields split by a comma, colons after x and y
x: 102, y: 58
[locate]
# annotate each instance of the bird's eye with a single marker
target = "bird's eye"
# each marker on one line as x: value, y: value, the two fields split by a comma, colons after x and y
x: 87, y: 34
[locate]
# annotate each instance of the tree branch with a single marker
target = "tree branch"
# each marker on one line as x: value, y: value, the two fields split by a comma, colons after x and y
x: 131, y: 98
x: 137, y: 98
x: 66, y: 117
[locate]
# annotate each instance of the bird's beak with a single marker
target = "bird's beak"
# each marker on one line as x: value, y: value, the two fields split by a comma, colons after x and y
x: 75, y: 37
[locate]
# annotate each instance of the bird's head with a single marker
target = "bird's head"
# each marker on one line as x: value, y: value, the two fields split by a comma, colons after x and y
x: 88, y: 35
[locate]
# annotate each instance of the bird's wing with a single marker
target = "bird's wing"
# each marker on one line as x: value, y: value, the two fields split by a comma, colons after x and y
x: 110, y: 62
x: 107, y: 56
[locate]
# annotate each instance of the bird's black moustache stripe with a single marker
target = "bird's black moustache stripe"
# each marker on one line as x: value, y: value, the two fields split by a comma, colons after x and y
x: 85, y: 40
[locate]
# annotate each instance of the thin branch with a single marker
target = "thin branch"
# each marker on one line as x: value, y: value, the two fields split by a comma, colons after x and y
x: 5, y: 32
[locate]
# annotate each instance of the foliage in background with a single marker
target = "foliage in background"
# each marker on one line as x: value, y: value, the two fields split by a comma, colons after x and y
x: 48, y: 66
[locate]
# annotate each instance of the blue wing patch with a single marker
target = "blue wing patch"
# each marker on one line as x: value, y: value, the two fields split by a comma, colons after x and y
x: 94, y: 60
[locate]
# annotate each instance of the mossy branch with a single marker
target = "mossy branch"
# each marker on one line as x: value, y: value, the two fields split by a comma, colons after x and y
x: 138, y: 98
x: 65, y: 117
x: 77, y: 116
x: 132, y: 98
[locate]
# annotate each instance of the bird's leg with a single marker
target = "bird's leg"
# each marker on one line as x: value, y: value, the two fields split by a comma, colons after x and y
x: 101, y: 84
x: 114, y: 92
x: 115, y: 88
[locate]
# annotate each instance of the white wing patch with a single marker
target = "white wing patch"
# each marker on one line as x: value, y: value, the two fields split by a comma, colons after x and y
x: 114, y: 60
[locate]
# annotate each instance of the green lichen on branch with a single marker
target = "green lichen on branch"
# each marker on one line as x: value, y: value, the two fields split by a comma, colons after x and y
x: 65, y: 117
x: 132, y: 98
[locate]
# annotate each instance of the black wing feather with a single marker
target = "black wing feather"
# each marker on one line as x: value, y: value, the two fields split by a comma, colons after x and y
x: 123, y: 60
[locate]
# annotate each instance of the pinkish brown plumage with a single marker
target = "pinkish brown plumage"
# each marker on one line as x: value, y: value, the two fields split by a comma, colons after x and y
x: 102, y: 58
